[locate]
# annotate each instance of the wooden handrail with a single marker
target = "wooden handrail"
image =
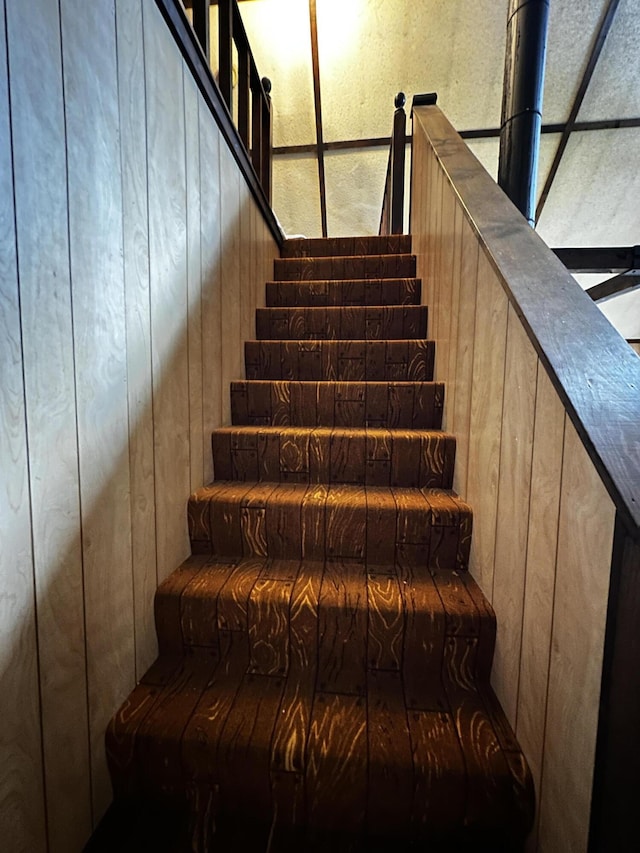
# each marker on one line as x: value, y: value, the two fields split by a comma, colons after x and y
x: 392, y: 215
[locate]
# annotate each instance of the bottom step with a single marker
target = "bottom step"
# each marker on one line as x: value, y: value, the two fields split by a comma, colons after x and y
x: 345, y: 744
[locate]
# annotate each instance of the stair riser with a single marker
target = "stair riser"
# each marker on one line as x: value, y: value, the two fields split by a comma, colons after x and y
x: 399, y: 291
x: 322, y: 247
x: 377, y: 323
x: 340, y: 268
x: 391, y: 405
x: 341, y: 361
x: 322, y: 522
x: 335, y: 456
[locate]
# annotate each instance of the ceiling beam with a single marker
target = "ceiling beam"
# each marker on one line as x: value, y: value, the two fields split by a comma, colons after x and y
x: 318, y: 110
x: 596, y: 50
x: 615, y: 259
x: 626, y: 282
x: 479, y: 133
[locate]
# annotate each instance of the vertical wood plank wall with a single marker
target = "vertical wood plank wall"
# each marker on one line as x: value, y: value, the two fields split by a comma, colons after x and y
x: 543, y: 521
x: 132, y: 257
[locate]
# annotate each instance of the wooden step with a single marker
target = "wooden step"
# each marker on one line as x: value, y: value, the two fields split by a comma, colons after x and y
x: 206, y: 597
x: 346, y: 729
x: 343, y: 267
x: 375, y: 291
x: 415, y: 527
x: 332, y: 246
x: 380, y: 322
x: 394, y: 405
x: 375, y: 457
x: 341, y: 361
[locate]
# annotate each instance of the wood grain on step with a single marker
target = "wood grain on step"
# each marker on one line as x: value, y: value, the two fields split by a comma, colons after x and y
x: 488, y: 795
x: 439, y: 796
x: 292, y: 725
x: 199, y: 604
x: 336, y: 773
x: 202, y: 733
x: 425, y: 634
x: 158, y: 740
x: 391, y: 775
x: 167, y: 607
x: 233, y: 596
x: 342, y: 628
x: 385, y: 635
x: 246, y: 737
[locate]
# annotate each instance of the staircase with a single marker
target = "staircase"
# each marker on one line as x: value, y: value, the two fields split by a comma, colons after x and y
x: 323, y: 677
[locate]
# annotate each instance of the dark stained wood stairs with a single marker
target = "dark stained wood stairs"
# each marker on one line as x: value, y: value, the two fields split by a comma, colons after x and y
x: 323, y: 676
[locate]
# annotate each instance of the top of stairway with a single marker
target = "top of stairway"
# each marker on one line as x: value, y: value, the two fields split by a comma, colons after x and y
x: 324, y: 247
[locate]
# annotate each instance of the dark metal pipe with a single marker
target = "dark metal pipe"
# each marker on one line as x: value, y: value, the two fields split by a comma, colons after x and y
x: 522, y: 102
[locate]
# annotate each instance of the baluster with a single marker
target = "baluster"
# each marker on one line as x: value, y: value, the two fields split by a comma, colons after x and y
x: 201, y: 25
x: 266, y: 134
x: 225, y: 52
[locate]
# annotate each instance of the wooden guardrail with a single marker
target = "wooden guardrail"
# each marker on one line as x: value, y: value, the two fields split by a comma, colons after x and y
x: 392, y: 215
x: 244, y: 118
x: 544, y: 398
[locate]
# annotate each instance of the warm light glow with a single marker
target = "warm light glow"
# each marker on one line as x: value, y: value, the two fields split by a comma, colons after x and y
x: 283, y: 26
x: 339, y: 25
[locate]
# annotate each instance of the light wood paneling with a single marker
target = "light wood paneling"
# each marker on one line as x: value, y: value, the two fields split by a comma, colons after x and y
x: 454, y: 318
x: 445, y: 282
x: 135, y: 229
x: 95, y: 241
x: 245, y: 295
x: 585, y: 539
x: 232, y: 362
x: 169, y: 289
x: 22, y: 807
x: 110, y: 357
x: 521, y: 368
x: 211, y: 291
x: 542, y: 544
x: 194, y: 281
x: 485, y: 427
x: 45, y: 299
x: 461, y: 382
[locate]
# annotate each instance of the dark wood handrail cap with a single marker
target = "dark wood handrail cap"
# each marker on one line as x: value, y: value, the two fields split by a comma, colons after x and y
x: 427, y: 100
x: 400, y: 100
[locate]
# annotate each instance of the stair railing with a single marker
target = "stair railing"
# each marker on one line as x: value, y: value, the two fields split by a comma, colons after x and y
x: 392, y: 216
x: 247, y: 105
x: 543, y: 396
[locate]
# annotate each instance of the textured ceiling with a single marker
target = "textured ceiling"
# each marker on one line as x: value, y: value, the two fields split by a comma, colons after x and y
x: 371, y: 49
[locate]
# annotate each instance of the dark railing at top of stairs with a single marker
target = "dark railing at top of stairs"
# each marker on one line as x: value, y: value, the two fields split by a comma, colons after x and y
x: 392, y: 216
x: 242, y: 111
x: 253, y: 113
